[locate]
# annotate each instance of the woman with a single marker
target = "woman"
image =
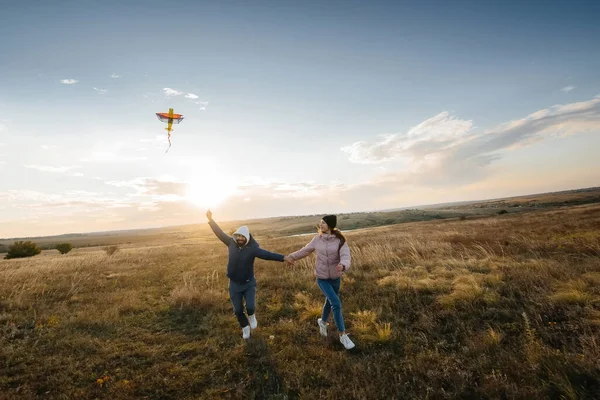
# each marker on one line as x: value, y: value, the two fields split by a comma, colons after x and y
x: 243, y: 249
x: 333, y: 259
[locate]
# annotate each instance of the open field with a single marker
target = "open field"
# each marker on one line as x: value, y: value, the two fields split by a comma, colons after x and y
x: 491, y: 307
x: 294, y: 225
x: 262, y: 228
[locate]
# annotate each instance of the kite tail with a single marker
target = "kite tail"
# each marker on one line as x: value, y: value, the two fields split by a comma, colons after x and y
x: 169, y: 138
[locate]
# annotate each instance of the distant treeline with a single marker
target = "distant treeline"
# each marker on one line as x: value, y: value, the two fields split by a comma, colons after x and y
x: 44, y: 246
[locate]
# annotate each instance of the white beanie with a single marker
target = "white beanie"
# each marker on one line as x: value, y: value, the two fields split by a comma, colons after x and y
x: 244, y: 231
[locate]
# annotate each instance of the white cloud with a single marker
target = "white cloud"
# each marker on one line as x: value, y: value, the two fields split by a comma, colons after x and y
x: 100, y: 91
x: 133, y: 183
x: 49, y: 146
x: 444, y: 149
x: 149, y: 206
x: 154, y: 187
x: 437, y: 132
x: 31, y: 199
x: 158, y: 142
x: 171, y: 92
x: 363, y: 152
x: 69, y: 81
x: 115, y: 76
x: 155, y: 201
x: 109, y: 157
x: 45, y: 168
x: 163, y: 196
x: 258, y: 187
x: 567, y: 89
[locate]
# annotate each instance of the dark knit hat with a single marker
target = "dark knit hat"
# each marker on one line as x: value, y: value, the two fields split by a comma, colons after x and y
x: 330, y: 220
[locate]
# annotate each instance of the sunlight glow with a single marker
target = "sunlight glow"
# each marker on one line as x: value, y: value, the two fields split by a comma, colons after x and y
x: 210, y: 191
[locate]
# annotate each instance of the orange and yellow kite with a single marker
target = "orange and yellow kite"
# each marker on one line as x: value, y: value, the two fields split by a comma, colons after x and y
x: 170, y: 118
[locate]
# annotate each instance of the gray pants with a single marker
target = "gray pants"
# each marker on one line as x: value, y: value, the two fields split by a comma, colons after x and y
x: 240, y: 292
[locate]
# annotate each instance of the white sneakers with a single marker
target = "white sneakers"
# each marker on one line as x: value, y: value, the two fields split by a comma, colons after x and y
x: 346, y: 341
x: 253, y: 325
x: 252, y: 320
x: 322, y: 327
x: 246, y: 332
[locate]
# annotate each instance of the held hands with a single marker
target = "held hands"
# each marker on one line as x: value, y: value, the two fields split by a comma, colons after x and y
x: 288, y: 260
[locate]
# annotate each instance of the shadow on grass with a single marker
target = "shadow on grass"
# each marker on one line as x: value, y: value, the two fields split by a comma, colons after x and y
x: 265, y: 381
x: 189, y: 321
x: 97, y: 329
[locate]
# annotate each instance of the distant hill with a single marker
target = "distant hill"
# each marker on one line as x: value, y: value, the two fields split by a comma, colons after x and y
x: 543, y: 200
x: 294, y: 225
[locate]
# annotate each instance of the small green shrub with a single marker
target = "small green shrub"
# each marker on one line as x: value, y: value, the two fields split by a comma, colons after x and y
x: 21, y: 249
x: 64, y: 248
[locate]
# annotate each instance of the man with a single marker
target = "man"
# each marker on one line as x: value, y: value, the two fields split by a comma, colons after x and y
x: 243, y: 249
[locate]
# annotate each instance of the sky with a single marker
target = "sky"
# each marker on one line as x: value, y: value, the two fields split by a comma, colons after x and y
x: 291, y: 108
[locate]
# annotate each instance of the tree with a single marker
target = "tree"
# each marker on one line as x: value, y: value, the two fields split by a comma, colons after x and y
x: 64, y: 248
x: 21, y: 249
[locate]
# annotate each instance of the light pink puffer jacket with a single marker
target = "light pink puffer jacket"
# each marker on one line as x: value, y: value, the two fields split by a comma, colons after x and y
x: 328, y: 256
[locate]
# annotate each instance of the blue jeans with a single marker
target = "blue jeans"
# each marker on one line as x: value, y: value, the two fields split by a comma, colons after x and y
x: 240, y: 292
x: 331, y: 288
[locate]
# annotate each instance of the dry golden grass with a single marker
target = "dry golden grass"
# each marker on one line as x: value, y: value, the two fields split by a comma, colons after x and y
x: 363, y: 321
x: 572, y: 292
x: 465, y: 289
x: 499, y: 307
x: 493, y: 338
x: 308, y: 308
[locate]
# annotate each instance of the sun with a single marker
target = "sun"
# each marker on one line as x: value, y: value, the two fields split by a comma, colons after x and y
x: 209, y: 191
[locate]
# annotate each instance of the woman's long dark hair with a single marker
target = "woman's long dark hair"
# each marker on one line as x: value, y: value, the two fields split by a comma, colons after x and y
x: 338, y: 234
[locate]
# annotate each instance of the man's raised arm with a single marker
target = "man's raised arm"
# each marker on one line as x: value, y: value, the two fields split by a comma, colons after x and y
x: 223, y: 237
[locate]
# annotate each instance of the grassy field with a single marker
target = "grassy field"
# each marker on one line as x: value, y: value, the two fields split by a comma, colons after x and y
x: 262, y: 228
x: 492, y: 307
x: 294, y: 225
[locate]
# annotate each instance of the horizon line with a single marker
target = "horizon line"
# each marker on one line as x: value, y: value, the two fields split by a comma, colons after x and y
x: 297, y: 216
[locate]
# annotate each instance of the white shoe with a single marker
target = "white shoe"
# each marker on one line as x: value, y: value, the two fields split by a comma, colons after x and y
x: 252, y: 320
x: 322, y: 327
x: 346, y: 341
x: 246, y: 332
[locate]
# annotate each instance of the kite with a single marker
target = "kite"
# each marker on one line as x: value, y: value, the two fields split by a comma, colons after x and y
x: 170, y: 119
